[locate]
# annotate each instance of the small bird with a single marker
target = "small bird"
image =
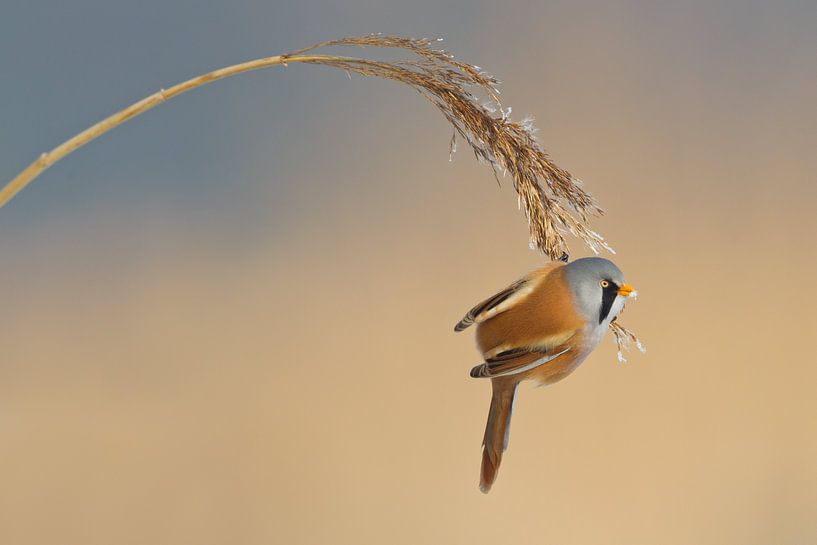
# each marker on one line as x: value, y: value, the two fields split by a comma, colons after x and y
x: 540, y: 328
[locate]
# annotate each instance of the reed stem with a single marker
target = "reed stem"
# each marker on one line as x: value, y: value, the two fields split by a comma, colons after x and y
x: 44, y: 161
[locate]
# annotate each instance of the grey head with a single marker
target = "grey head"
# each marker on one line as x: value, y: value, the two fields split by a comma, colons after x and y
x: 598, y: 288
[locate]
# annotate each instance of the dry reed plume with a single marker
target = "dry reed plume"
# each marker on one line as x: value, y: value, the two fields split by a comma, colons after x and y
x: 553, y: 200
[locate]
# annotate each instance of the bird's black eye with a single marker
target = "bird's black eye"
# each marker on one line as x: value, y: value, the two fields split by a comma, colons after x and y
x: 605, y: 284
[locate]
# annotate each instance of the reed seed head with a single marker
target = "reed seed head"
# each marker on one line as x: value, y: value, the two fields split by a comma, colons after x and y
x: 553, y: 200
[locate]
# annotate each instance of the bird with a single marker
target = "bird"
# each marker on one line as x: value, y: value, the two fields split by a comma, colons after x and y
x: 540, y: 328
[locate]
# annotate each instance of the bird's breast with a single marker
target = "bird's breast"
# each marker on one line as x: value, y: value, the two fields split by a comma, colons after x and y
x: 580, y: 347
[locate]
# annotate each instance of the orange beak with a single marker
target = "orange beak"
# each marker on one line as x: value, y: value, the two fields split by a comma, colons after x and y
x: 626, y: 290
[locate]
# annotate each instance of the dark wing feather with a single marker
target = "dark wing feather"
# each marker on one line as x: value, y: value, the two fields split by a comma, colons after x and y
x: 488, y: 304
x: 516, y: 360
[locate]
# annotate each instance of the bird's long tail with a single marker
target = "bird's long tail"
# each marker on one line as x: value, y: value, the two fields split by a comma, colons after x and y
x: 496, y: 431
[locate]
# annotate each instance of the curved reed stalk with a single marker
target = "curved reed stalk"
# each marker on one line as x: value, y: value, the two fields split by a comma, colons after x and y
x: 93, y: 132
x: 553, y: 200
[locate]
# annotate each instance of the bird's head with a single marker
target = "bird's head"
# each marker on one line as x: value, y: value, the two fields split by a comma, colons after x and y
x: 598, y: 288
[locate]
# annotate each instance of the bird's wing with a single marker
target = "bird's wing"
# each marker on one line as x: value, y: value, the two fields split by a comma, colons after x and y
x: 497, y: 303
x: 515, y: 361
x: 509, y: 360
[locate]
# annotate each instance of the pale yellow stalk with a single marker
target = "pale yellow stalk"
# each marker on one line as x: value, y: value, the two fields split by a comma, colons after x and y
x: 30, y: 173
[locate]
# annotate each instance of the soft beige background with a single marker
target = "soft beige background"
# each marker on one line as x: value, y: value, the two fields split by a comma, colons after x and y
x: 231, y: 321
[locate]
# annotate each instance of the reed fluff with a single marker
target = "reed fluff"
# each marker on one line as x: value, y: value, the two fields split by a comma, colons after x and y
x: 553, y: 200
x: 624, y: 339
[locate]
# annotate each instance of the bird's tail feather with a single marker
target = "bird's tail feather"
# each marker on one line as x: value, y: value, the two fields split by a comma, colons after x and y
x: 496, y: 432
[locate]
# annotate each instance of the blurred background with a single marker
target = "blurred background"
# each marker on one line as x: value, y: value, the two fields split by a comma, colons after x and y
x: 230, y: 320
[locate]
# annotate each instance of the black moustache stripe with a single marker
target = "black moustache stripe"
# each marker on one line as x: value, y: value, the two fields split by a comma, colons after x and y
x: 608, y: 296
